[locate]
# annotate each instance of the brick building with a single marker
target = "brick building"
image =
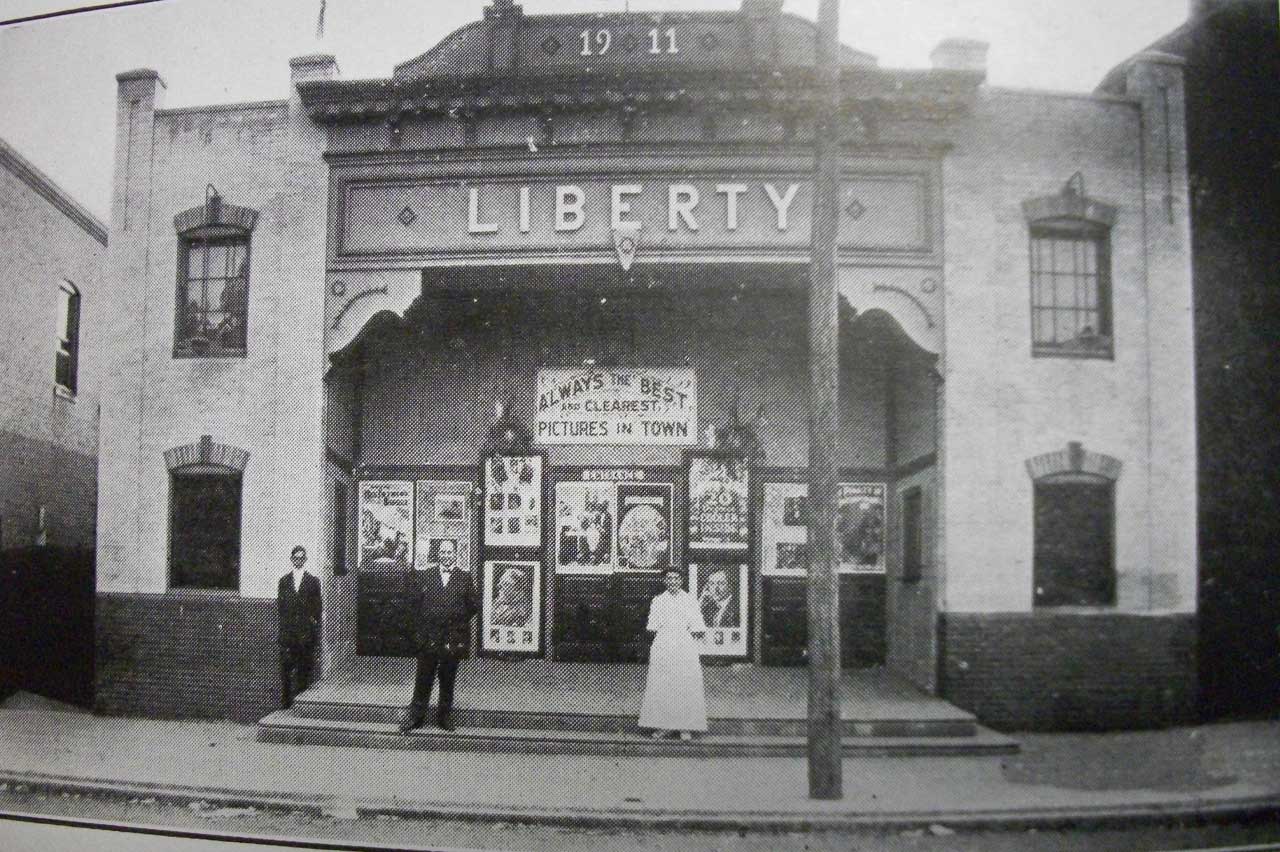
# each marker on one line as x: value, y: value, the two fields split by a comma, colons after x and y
x: 52, y: 253
x: 592, y: 231
x: 1231, y: 51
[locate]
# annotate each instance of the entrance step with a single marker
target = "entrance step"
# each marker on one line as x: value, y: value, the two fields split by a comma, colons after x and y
x: 590, y: 708
x: 286, y: 726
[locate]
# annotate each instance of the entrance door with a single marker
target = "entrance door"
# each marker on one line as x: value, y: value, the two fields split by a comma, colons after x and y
x: 609, y: 535
x: 862, y: 623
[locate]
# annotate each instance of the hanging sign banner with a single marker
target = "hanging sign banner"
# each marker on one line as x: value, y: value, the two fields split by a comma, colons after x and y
x: 642, y: 406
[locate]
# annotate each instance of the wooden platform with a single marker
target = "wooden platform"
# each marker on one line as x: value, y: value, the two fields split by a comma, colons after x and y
x: 591, y: 708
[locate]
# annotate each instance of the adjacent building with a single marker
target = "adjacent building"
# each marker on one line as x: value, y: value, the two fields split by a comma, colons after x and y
x: 1231, y: 51
x: 52, y: 259
x: 541, y: 293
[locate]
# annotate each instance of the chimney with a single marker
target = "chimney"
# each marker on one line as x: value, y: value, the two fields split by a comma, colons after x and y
x: 316, y: 66
x: 960, y: 54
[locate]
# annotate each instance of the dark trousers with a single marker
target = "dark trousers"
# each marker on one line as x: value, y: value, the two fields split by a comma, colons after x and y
x: 295, y: 671
x: 428, y: 664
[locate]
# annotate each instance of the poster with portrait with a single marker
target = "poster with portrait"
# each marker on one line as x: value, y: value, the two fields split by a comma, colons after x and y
x: 386, y: 524
x: 721, y: 590
x: 513, y: 501
x: 717, y: 506
x: 860, y: 527
x: 585, y: 527
x: 784, y: 531
x: 442, y: 512
x: 511, y: 610
x: 644, y: 526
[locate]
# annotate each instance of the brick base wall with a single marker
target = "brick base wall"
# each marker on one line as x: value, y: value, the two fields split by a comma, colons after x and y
x: 176, y: 655
x: 1061, y: 671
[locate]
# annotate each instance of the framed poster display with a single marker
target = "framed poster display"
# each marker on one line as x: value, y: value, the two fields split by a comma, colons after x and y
x: 513, y: 501
x: 718, y: 517
x: 442, y: 512
x: 722, y: 590
x: 784, y: 531
x: 585, y: 527
x: 386, y: 524
x: 860, y: 527
x: 644, y: 526
x: 511, y: 610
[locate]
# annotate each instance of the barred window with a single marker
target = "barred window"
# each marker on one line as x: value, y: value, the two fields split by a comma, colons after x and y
x: 67, y: 358
x: 1070, y: 290
x: 213, y: 296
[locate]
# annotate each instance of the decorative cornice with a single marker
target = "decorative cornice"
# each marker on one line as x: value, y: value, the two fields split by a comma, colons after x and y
x: 51, y: 192
x: 206, y: 453
x: 929, y: 94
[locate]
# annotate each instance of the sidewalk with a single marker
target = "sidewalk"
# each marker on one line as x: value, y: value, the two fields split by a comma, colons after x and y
x: 1227, y: 770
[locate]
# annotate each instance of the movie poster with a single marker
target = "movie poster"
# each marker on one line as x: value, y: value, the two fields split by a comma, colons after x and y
x: 784, y: 530
x: 585, y: 527
x: 386, y: 524
x: 860, y: 527
x: 718, y: 516
x: 511, y: 611
x: 513, y: 501
x: 722, y: 591
x: 442, y: 513
x: 644, y: 526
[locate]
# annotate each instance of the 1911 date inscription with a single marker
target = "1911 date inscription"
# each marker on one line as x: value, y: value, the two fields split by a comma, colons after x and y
x: 598, y: 42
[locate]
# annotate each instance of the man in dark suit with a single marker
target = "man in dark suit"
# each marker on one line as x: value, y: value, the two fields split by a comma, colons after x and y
x: 443, y: 606
x: 298, y: 601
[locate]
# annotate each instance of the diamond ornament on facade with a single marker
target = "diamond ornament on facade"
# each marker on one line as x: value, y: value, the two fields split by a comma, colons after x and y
x: 551, y: 45
x: 855, y: 209
x: 407, y: 217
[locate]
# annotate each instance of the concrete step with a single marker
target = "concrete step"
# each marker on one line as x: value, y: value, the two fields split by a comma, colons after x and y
x: 286, y: 726
x: 954, y: 724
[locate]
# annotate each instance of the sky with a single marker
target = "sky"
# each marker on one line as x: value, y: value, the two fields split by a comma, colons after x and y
x: 57, y: 76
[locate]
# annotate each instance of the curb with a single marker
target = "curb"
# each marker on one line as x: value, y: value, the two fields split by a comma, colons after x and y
x: 1192, y: 810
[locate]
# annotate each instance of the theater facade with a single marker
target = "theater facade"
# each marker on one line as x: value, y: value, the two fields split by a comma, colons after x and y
x: 542, y: 294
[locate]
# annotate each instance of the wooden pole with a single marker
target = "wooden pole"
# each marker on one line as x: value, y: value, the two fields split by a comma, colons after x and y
x: 825, y: 770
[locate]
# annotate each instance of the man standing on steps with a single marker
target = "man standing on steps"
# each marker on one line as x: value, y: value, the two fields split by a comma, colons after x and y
x: 443, y: 606
x: 298, y: 602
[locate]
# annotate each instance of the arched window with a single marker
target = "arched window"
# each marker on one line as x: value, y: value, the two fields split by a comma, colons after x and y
x: 212, y: 301
x: 204, y: 515
x: 1074, y: 527
x: 1070, y: 274
x: 67, y: 359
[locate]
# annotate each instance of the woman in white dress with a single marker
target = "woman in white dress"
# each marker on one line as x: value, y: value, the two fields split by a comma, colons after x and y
x: 674, y: 699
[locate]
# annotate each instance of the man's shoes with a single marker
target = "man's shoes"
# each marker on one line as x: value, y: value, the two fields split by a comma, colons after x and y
x: 445, y: 724
x: 409, y: 723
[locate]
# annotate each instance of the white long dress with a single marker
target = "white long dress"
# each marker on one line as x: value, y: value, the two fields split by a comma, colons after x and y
x: 673, y: 693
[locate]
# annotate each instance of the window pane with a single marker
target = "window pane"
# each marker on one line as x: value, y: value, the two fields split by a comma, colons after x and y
x: 1090, y: 256
x: 1063, y: 291
x: 217, y: 261
x: 1089, y: 292
x: 195, y: 261
x: 64, y: 312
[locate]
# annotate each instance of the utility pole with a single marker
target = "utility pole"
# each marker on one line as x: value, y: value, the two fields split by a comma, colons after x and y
x: 823, y: 599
